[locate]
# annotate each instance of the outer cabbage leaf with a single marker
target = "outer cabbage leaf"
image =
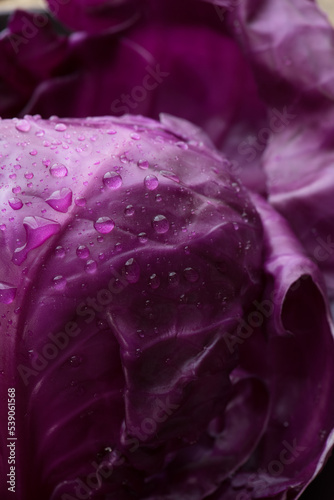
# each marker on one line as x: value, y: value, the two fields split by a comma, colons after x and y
x: 290, y: 47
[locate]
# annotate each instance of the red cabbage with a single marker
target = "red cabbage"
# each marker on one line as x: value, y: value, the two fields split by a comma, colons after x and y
x: 165, y: 333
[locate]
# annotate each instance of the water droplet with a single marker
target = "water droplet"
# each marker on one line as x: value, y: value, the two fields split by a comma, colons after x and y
x: 7, y: 292
x: 28, y: 175
x: 151, y: 182
x: 142, y: 237
x: 80, y: 202
x: 40, y: 133
x: 59, y: 282
x: 187, y: 250
x: 33, y: 152
x: 141, y: 334
x: 158, y: 198
x: 118, y: 247
x: 38, y: 230
x: 16, y: 189
x: 15, y: 203
x: 170, y: 175
x: 160, y: 224
x: 129, y: 211
x: 112, y: 180
x: 135, y: 136
x: 82, y: 252
x: 132, y: 271
x: 75, y: 361
x: 58, y: 170
x: 60, y: 127
x: 111, y: 132
x: 2, y: 227
x: 91, y: 267
x: 17, y: 166
x: 104, y: 225
x: 143, y: 164
x: 191, y: 274
x: 22, y: 126
x: 173, y: 278
x: 12, y: 176
x: 235, y: 225
x: 60, y: 252
x: 154, y: 281
x: 60, y: 200
x: 182, y: 145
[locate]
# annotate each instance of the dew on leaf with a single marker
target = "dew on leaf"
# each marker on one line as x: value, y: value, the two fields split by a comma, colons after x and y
x: 60, y: 200
x: 7, y: 292
x: 160, y: 224
x: 104, y: 225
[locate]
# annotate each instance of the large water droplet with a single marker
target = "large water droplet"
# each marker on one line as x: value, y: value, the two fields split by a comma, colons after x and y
x: 129, y: 211
x: 135, y: 136
x: 22, y: 126
x: 142, y: 237
x: 170, y: 175
x: 60, y: 252
x: 143, y: 164
x: 160, y: 224
x: 59, y: 282
x: 173, y: 278
x: 182, y: 145
x: 82, y: 252
x: 80, y: 202
x: 151, y: 182
x: 154, y: 281
x: 132, y: 271
x: 60, y: 127
x: 58, y: 170
x: 7, y: 292
x: 38, y: 230
x: 112, y: 180
x: 191, y: 274
x: 104, y: 225
x: 91, y: 267
x: 15, y: 203
x: 60, y: 200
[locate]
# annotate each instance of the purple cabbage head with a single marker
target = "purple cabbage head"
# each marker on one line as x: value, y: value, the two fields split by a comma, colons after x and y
x: 165, y: 333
